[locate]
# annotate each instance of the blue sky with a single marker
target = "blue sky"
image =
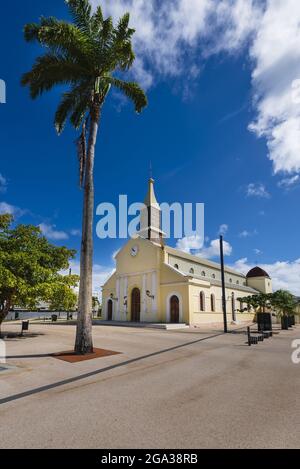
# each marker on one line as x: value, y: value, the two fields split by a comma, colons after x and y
x: 204, y: 92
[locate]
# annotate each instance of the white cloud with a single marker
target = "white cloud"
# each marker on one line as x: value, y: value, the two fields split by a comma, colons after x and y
x: 12, y: 210
x: 50, y: 232
x: 193, y: 244
x: 223, y: 229
x: 285, y: 274
x: 190, y: 243
x: 168, y: 33
x: 276, y: 55
x: 289, y: 182
x: 3, y: 183
x: 247, y: 234
x: 100, y: 274
x: 244, y: 234
x: 213, y: 250
x: 75, y: 232
x: 258, y: 252
x: 257, y: 190
x: 174, y: 36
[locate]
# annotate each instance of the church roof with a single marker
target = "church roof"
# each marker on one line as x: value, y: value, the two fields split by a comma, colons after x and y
x: 199, y: 260
x: 257, y: 272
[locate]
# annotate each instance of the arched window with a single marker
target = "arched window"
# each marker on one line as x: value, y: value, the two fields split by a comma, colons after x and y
x: 213, y: 302
x: 237, y: 282
x: 213, y: 276
x: 202, y: 301
x: 203, y: 273
x: 176, y: 266
x: 192, y: 271
x: 230, y: 280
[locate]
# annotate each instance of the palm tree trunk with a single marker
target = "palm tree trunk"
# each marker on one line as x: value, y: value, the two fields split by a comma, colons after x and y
x: 84, y: 339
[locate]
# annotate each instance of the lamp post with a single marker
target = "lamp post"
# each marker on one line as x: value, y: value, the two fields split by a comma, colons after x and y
x: 113, y: 298
x: 223, y: 285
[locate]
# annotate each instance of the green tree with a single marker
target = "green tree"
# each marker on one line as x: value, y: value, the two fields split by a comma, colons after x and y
x: 84, y: 54
x: 284, y: 303
x: 259, y: 302
x: 62, y: 296
x: 95, y: 303
x: 30, y: 267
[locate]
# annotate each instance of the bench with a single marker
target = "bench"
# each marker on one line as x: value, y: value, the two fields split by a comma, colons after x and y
x: 256, y: 337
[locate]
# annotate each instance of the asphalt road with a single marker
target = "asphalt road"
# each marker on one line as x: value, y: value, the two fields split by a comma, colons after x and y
x: 166, y: 390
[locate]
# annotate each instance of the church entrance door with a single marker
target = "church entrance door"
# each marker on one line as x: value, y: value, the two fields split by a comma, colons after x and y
x: 174, y: 308
x: 135, y: 305
x: 110, y: 310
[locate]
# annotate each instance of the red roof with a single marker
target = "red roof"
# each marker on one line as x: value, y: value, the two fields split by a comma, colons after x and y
x: 257, y: 272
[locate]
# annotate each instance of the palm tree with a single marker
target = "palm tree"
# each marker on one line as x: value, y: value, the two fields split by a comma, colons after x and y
x: 84, y: 54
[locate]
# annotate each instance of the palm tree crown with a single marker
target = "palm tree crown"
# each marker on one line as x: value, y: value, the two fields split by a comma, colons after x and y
x: 83, y: 54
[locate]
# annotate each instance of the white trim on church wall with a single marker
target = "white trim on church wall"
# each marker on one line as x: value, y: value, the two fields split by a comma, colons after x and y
x: 168, y: 308
x: 118, y: 292
x: 154, y: 292
x: 137, y: 274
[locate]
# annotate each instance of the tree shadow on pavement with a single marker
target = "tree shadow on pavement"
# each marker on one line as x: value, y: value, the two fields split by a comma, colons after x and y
x: 17, y: 336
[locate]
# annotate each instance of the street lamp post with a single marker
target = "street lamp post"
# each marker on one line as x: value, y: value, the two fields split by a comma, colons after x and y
x: 223, y: 285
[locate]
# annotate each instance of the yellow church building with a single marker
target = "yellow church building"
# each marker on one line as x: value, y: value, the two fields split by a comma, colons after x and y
x: 155, y: 283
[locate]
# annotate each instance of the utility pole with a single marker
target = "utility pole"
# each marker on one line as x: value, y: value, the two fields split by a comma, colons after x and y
x: 223, y: 285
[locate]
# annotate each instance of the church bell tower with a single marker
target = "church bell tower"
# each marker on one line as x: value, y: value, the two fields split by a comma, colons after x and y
x: 151, y: 217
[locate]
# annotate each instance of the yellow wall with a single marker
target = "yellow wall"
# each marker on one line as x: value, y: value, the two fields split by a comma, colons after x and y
x: 262, y: 284
x: 198, y: 317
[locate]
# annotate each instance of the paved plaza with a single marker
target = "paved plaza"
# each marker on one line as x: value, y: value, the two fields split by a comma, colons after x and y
x: 166, y: 389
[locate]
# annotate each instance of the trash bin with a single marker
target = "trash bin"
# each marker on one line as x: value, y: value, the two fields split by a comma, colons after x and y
x: 264, y: 322
x: 54, y: 317
x: 25, y: 326
x: 285, y: 323
x: 291, y: 321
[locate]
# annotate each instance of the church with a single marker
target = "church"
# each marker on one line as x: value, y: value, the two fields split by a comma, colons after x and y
x: 155, y: 283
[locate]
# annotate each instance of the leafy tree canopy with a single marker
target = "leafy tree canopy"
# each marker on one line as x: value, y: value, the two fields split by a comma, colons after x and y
x: 282, y: 302
x: 30, y: 267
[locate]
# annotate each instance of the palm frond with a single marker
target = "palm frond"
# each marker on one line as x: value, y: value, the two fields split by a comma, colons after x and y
x: 50, y: 70
x: 81, y: 12
x: 79, y: 113
x: 97, y: 20
x: 78, y: 97
x: 119, y: 53
x: 133, y: 91
x: 61, y: 37
x: 106, y: 34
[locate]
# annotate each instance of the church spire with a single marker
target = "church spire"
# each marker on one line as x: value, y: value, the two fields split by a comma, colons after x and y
x: 151, y: 198
x: 151, y: 216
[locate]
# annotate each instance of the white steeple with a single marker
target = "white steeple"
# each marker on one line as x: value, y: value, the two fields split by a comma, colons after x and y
x: 151, y: 216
